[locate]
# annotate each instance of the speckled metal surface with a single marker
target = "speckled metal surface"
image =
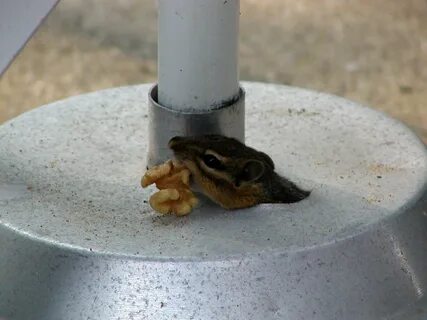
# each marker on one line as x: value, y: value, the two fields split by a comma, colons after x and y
x: 77, y: 240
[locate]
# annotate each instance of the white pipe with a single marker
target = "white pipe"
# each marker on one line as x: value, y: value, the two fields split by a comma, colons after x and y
x: 198, y: 53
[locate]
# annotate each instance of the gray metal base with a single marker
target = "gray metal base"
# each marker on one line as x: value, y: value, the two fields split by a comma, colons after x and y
x: 77, y: 240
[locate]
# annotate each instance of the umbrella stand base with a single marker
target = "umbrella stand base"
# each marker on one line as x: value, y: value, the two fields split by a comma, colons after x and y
x: 78, y: 239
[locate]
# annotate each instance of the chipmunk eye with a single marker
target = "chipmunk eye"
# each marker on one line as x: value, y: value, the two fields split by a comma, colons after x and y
x: 212, y: 162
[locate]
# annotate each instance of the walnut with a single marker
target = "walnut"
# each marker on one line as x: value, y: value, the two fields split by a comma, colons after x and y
x: 172, y: 178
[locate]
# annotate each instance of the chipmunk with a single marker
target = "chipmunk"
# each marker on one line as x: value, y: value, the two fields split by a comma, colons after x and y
x: 233, y: 174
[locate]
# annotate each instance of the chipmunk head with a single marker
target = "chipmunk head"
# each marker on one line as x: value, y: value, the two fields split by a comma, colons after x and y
x: 229, y: 172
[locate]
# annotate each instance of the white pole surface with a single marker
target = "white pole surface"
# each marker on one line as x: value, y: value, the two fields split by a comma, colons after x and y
x: 198, y: 53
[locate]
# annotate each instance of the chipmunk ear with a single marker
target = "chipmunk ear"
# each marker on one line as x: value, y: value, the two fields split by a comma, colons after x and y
x: 252, y: 170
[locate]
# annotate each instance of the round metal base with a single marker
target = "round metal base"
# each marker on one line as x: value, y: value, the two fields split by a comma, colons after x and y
x: 79, y: 241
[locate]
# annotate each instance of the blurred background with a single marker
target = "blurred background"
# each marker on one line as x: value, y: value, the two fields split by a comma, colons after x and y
x: 373, y: 52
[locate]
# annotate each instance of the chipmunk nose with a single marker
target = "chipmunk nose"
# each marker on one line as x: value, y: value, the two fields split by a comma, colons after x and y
x: 175, y: 141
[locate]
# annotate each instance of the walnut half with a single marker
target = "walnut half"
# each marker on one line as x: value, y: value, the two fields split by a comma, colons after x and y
x: 172, y: 178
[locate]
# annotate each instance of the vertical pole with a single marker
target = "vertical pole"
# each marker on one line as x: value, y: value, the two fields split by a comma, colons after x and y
x: 198, y: 54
